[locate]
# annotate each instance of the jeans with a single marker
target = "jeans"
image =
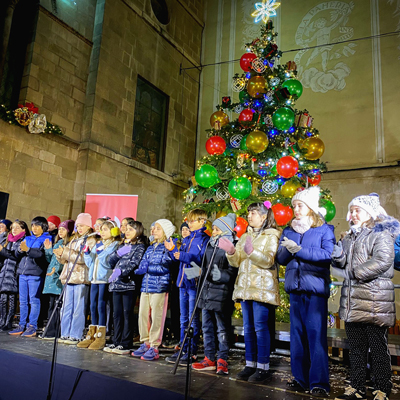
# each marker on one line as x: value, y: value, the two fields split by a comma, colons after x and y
x: 30, y: 289
x: 98, y: 300
x: 187, y: 300
x: 216, y: 322
x: 123, y: 326
x: 308, y: 340
x: 257, y: 338
x: 73, y: 311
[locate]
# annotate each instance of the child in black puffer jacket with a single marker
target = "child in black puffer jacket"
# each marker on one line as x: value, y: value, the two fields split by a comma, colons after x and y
x: 122, y: 285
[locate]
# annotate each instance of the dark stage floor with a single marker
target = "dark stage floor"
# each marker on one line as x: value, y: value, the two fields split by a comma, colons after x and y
x: 157, y: 374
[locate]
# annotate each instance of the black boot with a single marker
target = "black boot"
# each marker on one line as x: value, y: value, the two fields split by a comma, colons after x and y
x: 245, y: 373
x: 261, y: 375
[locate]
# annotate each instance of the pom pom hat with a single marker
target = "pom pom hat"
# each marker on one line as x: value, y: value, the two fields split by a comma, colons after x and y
x: 84, y: 219
x: 167, y: 226
x: 310, y: 197
x: 370, y: 204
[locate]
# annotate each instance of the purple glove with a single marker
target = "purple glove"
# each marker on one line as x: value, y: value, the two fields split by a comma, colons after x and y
x: 226, y: 245
x: 123, y: 250
x: 248, y: 246
x: 114, y: 276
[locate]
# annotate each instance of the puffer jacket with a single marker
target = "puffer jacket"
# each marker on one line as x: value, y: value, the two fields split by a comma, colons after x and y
x: 3, y: 238
x: 155, y: 266
x: 128, y: 263
x: 99, y: 267
x: 258, y: 274
x: 368, y: 291
x: 308, y: 270
x: 397, y: 254
x: 8, y: 273
x: 217, y: 295
x: 80, y: 274
x: 52, y: 283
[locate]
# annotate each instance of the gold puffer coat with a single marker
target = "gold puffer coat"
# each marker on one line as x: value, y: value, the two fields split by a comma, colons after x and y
x: 80, y: 275
x: 258, y: 274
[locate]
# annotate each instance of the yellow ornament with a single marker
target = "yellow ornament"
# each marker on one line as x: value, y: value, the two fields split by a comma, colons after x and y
x: 218, y: 119
x: 289, y: 189
x: 221, y: 214
x: 315, y: 148
x: 257, y: 86
x: 257, y: 141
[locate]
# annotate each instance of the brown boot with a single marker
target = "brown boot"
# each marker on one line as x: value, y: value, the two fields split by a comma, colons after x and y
x: 100, y: 340
x: 90, y: 337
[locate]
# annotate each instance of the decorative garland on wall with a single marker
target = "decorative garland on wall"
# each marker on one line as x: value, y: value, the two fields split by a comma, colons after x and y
x: 28, y: 116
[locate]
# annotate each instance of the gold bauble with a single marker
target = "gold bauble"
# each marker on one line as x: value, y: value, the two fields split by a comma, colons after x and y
x: 218, y: 119
x: 289, y: 189
x: 257, y: 141
x: 257, y: 86
x: 315, y: 148
x: 221, y: 214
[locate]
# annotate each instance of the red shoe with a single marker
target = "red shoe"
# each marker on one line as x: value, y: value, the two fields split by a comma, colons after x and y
x: 222, y: 367
x: 205, y: 365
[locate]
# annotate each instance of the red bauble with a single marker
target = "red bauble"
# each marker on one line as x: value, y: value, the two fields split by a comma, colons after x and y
x: 283, y: 214
x: 246, y: 115
x: 315, y: 180
x: 215, y: 145
x: 241, y: 226
x: 245, y: 61
x: 287, y: 166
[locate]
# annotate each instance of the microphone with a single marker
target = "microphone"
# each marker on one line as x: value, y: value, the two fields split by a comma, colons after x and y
x: 92, y: 234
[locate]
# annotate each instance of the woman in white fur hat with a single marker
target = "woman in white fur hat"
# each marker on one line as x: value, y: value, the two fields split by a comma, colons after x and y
x: 364, y: 257
x: 305, y: 248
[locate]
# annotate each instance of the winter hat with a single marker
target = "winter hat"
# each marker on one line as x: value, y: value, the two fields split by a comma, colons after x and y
x: 226, y: 223
x: 84, y: 219
x: 42, y: 222
x: 370, y: 204
x: 54, y: 219
x: 7, y: 223
x: 167, y: 226
x: 184, y: 225
x: 310, y: 197
x: 69, y: 225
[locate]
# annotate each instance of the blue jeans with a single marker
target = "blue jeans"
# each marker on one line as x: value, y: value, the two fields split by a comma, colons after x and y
x: 215, y: 321
x: 98, y: 300
x: 257, y: 338
x: 308, y: 340
x: 73, y: 311
x: 30, y: 289
x: 187, y: 300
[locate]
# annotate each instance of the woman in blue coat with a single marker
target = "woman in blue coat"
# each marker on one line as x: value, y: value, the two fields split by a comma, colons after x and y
x: 155, y: 266
x: 305, y: 248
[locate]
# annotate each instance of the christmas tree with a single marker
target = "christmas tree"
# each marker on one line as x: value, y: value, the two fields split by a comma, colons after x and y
x: 272, y: 149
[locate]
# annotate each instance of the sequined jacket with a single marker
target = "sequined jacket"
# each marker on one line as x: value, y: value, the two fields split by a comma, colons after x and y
x: 368, y: 291
x: 258, y: 273
x: 80, y: 275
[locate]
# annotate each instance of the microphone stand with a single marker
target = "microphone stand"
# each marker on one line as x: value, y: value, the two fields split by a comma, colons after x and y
x: 189, y: 329
x: 58, y: 322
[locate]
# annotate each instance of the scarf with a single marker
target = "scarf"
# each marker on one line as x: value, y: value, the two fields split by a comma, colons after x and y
x: 34, y: 242
x: 302, y: 225
x: 12, y: 238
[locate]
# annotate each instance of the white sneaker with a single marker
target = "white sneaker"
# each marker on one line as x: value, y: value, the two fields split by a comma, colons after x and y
x: 110, y: 348
x: 62, y: 339
x: 71, y: 341
x: 379, y: 395
x: 121, y: 350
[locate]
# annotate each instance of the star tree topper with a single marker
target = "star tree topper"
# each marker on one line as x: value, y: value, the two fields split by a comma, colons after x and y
x: 265, y: 10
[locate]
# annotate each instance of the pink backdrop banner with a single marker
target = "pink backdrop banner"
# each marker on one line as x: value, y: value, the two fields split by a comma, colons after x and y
x: 115, y: 206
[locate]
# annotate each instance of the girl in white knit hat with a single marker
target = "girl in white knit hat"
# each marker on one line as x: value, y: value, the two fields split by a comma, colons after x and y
x: 305, y: 248
x: 155, y: 266
x: 365, y: 259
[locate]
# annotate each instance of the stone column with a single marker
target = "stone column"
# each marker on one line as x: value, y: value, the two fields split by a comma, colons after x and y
x: 6, y: 32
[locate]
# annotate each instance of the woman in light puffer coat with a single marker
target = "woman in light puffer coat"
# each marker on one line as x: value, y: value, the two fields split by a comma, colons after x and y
x: 364, y: 257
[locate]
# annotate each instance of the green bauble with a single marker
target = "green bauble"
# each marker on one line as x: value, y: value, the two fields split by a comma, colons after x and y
x: 243, y: 96
x: 294, y: 86
x: 243, y: 143
x: 330, y: 210
x: 206, y: 176
x: 283, y: 118
x: 274, y: 172
x: 240, y: 188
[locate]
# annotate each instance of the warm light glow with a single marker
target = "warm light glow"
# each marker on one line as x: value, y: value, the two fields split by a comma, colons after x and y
x: 265, y: 10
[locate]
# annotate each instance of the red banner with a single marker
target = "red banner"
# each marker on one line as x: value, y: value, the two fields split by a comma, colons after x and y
x: 115, y: 206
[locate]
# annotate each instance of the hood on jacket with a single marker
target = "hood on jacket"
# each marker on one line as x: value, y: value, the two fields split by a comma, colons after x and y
x: 387, y: 223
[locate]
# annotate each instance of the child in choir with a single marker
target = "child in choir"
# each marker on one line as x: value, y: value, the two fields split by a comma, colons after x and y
x: 155, y: 266
x: 53, y: 222
x: 8, y: 274
x: 256, y: 287
x: 52, y: 283
x: 124, y: 224
x: 5, y: 226
x: 305, y: 248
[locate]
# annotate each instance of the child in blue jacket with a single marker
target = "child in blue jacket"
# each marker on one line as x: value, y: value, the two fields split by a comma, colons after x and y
x: 155, y: 266
x: 191, y: 250
x: 397, y: 253
x: 305, y: 248
x: 99, y: 272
